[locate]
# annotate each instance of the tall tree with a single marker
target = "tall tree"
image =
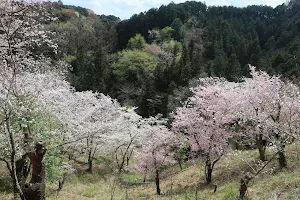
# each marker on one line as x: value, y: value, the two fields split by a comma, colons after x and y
x: 211, y: 108
x: 271, y: 107
x: 21, y: 30
x: 155, y: 151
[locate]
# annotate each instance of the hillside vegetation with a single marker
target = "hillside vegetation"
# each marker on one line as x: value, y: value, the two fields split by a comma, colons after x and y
x: 173, y: 45
x: 181, y: 102
x: 181, y: 184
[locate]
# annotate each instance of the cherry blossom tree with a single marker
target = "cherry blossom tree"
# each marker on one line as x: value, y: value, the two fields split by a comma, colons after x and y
x: 204, y: 119
x: 20, y: 32
x: 128, y: 134
x: 270, y: 107
x: 259, y: 100
x: 91, y: 122
x: 86, y: 118
x: 29, y: 122
x: 155, y: 151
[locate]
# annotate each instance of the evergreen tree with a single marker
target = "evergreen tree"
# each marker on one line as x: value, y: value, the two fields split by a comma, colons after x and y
x: 233, y: 71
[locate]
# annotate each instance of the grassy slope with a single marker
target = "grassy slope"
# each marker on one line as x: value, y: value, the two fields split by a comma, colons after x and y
x: 271, y: 184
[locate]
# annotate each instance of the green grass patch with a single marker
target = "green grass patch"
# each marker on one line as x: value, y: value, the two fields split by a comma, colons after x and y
x: 89, y: 191
x: 130, y: 179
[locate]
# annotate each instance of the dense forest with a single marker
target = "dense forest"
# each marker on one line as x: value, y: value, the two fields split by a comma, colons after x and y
x: 151, y: 59
x: 197, y: 101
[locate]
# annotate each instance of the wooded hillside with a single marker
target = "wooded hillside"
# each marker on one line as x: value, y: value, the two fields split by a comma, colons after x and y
x: 96, y: 105
x: 177, y: 43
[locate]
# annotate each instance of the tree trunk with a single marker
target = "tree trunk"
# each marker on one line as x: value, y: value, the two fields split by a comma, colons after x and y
x: 243, y: 189
x: 17, y: 187
x: 282, y: 158
x: 70, y: 157
x: 145, y: 176
x: 208, y: 174
x: 90, y: 162
x: 262, y: 154
x: 208, y: 170
x: 157, y: 182
x: 180, y: 163
x: 244, y: 185
x: 60, y: 185
x: 22, y: 169
x: 129, y: 156
x: 22, y: 173
x: 261, y: 145
x: 61, y: 182
x: 35, y: 190
x: 248, y: 177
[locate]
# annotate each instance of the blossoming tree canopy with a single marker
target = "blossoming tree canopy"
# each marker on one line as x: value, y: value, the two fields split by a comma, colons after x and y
x: 272, y: 108
x: 205, y: 114
x: 156, y: 144
x: 155, y: 151
x: 204, y: 119
x: 269, y: 101
x: 84, y: 115
x: 80, y: 112
x: 264, y: 105
x: 21, y: 31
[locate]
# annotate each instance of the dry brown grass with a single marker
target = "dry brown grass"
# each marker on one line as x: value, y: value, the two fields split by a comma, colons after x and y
x: 180, y: 185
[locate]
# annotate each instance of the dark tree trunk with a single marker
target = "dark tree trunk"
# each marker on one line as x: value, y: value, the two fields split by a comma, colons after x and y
x: 209, y: 166
x: 16, y: 190
x: 90, y: 162
x: 247, y: 178
x: 261, y: 145
x: 35, y: 190
x: 208, y: 170
x: 157, y: 182
x: 215, y: 188
x: 13, y: 168
x: 22, y: 168
x: 243, y: 189
x: 244, y: 185
x: 262, y: 154
x: 145, y: 176
x: 128, y: 157
x: 208, y: 174
x: 22, y: 173
x: 180, y: 163
x: 14, y: 175
x: 60, y: 185
x: 282, y: 159
x: 62, y: 182
x: 70, y: 157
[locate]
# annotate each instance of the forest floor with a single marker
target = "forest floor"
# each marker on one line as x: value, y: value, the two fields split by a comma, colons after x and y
x: 177, y: 184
